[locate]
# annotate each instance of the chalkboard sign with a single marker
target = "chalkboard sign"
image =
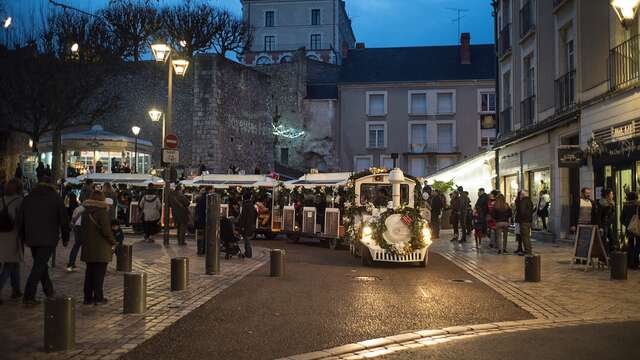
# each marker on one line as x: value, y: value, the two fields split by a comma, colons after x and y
x: 584, y: 239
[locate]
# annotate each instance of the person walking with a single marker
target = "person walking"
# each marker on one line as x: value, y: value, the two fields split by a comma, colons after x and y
x: 435, y: 199
x: 491, y: 222
x: 631, y: 208
x: 40, y: 171
x: 524, y: 217
x: 11, y: 254
x: 87, y: 189
x: 18, y: 174
x: 41, y: 222
x: 151, y: 210
x: 180, y: 209
x: 97, y: 247
x: 544, y: 202
x: 465, y: 205
x: 501, y: 213
x: 76, y: 223
x: 247, y: 221
x: 606, y: 219
x: 454, y: 219
x: 109, y: 193
x: 482, y: 207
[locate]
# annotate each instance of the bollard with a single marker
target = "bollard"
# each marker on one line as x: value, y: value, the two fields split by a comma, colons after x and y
x: 212, y: 236
x: 277, y: 262
x: 59, y: 324
x: 179, y: 273
x: 532, y: 268
x: 618, y: 265
x: 124, y: 258
x: 135, y: 293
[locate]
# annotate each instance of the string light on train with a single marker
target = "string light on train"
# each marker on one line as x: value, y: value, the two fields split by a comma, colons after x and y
x: 287, y: 132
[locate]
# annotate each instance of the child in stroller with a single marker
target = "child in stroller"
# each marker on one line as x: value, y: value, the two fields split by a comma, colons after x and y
x: 229, y: 239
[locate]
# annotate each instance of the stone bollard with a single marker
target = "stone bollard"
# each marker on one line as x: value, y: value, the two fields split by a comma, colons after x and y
x: 277, y: 262
x: 59, y: 324
x: 212, y: 236
x: 532, y: 268
x: 135, y: 293
x: 179, y: 273
x: 124, y: 258
x: 618, y: 265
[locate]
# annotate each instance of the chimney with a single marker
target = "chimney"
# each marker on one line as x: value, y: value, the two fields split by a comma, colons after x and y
x: 465, y: 48
x: 360, y: 45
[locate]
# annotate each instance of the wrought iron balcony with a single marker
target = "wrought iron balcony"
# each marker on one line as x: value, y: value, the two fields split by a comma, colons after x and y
x: 624, y: 64
x: 527, y: 20
x: 504, y: 41
x: 565, y: 91
x: 505, y: 121
x: 527, y: 110
x: 433, y: 148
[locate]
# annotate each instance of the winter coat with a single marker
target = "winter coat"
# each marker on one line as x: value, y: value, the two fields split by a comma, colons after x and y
x: 501, y: 215
x: 114, y: 203
x: 42, y: 219
x: 464, y: 203
x: 524, y: 211
x: 201, y: 212
x: 151, y: 207
x: 10, y: 244
x: 482, y: 205
x: 97, y: 237
x: 247, y: 219
x: 607, y: 212
x: 436, y: 205
x: 179, y: 207
x: 628, y: 210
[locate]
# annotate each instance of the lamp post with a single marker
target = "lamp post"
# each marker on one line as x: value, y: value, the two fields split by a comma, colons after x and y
x: 136, y: 131
x: 155, y: 116
x: 162, y: 53
x: 625, y: 9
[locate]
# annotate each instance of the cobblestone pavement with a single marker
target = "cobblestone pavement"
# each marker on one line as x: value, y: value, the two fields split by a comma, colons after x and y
x: 103, y: 332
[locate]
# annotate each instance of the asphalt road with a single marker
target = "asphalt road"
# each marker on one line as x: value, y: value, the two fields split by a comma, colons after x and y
x: 617, y: 341
x: 321, y: 303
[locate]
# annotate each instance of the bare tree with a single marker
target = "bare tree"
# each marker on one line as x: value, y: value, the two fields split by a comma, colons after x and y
x: 190, y: 27
x: 233, y: 34
x: 134, y: 23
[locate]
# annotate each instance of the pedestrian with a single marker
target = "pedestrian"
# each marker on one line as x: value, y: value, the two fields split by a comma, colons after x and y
x: 87, y: 189
x: 76, y: 223
x: 247, y: 221
x: 454, y: 219
x: 465, y: 205
x: 524, y: 217
x: 516, y: 231
x: 201, y: 219
x: 436, y: 210
x: 40, y: 171
x: 482, y: 206
x: 109, y: 193
x: 72, y: 204
x: 477, y: 228
x: 180, y: 209
x: 11, y: 253
x: 41, y: 222
x: 47, y: 171
x: 544, y: 202
x: 632, y: 208
x: 18, y: 174
x: 606, y: 219
x: 491, y: 223
x: 151, y: 210
x: 97, y: 247
x: 501, y: 213
x: 584, y: 210
x: 118, y: 234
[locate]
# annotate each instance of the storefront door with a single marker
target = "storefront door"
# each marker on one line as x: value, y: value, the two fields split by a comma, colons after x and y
x: 623, y: 185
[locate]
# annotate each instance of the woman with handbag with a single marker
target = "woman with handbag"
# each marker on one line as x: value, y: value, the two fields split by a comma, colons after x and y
x: 630, y: 218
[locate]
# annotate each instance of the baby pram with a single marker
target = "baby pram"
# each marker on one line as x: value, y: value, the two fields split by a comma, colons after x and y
x: 229, y: 240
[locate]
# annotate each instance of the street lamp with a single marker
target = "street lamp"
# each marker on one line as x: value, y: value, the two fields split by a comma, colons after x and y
x: 155, y: 116
x: 162, y: 53
x: 7, y: 22
x: 75, y: 47
x: 625, y: 9
x: 136, y: 131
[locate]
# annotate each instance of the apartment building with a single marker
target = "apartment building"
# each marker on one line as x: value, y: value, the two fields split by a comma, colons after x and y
x: 280, y: 27
x: 430, y: 105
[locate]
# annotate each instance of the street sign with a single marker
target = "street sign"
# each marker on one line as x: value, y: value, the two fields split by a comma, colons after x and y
x: 171, y: 141
x: 170, y: 156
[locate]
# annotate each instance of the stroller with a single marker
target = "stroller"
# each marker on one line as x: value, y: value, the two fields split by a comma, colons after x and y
x: 229, y: 240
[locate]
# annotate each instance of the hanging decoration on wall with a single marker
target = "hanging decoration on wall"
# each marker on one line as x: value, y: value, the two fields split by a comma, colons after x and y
x: 282, y: 130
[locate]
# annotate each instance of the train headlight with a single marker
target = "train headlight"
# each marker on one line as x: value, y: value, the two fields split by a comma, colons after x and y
x: 366, y: 231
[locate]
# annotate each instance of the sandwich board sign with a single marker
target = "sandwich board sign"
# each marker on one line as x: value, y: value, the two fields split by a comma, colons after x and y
x: 588, y: 245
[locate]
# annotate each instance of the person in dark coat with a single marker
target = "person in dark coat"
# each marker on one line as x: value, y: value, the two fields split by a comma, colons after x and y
x: 180, y: 209
x: 41, y: 222
x: 606, y: 219
x: 40, y: 171
x: 436, y: 210
x: 18, y: 173
x: 201, y: 220
x: 97, y: 246
x: 247, y: 221
x: 482, y: 207
x: 454, y: 219
x: 524, y: 217
x: 465, y: 205
x: 86, y: 190
x: 630, y: 209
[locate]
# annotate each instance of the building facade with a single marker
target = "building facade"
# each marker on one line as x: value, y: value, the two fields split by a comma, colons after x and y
x: 433, y: 106
x: 281, y: 27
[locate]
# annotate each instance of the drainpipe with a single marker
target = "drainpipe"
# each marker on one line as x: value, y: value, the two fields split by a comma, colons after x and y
x: 494, y: 3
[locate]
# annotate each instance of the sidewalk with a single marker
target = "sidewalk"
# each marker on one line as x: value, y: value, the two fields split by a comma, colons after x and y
x: 565, y: 290
x: 103, y: 332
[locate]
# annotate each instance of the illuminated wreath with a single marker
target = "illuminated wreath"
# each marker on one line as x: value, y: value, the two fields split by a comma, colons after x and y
x: 391, y: 229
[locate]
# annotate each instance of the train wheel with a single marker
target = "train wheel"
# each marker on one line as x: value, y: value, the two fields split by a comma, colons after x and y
x: 366, y: 256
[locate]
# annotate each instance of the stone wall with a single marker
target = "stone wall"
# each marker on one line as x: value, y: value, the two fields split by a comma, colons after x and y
x: 231, y: 116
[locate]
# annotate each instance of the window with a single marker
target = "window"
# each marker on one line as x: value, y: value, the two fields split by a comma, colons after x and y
x: 506, y: 86
x: 417, y: 167
x: 445, y: 137
x: 284, y: 156
x: 418, y: 137
x: 417, y: 103
x: 445, y: 103
x: 269, y: 43
x: 386, y: 162
x: 488, y: 102
x: 376, y: 103
x: 263, y: 60
x: 529, y: 77
x: 376, y: 138
x: 269, y: 17
x: 570, y: 56
x: 315, y: 17
x: 316, y: 41
x: 361, y: 163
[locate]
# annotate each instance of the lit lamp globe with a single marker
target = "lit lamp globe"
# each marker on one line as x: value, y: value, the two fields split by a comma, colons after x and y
x: 155, y: 115
x: 75, y: 47
x: 135, y: 130
x: 180, y: 66
x: 160, y: 52
x: 625, y: 9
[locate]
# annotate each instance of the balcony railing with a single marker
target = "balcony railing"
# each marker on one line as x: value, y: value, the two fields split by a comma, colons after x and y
x: 565, y: 91
x: 504, y: 42
x: 624, y: 63
x: 505, y: 121
x: 527, y: 110
x: 433, y: 148
x: 527, y: 22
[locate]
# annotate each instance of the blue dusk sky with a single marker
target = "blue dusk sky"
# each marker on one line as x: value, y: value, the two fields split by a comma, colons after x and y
x: 378, y: 23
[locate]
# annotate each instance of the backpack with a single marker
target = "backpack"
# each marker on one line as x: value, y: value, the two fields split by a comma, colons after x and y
x: 6, y: 222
